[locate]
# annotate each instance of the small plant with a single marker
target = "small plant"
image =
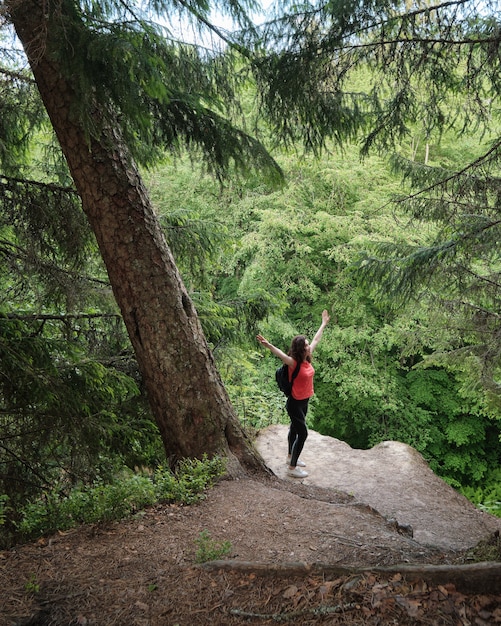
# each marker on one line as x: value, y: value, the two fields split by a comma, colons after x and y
x: 493, y: 507
x: 486, y: 497
x: 486, y: 550
x: 32, y: 586
x: 210, y: 550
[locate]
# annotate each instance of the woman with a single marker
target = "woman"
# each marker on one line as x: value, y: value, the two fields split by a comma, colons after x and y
x: 302, y: 390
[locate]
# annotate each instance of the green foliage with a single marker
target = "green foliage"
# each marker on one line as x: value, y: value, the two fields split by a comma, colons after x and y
x: 21, y: 112
x: 379, y: 70
x: 203, y: 239
x: 250, y: 382
x: 486, y: 496
x: 119, y: 498
x: 49, y: 385
x: 210, y: 550
x: 161, y: 94
x: 86, y: 505
x: 31, y: 586
x: 190, y: 481
x: 4, y: 508
x: 46, y: 246
x: 71, y: 410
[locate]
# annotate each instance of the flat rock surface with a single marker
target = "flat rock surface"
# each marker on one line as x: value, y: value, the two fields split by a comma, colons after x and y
x: 392, y: 478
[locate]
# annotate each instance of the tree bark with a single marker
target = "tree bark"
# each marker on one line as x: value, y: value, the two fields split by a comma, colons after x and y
x: 186, y: 395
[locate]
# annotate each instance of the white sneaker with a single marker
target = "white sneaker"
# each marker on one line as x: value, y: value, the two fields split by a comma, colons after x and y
x: 298, y: 464
x: 297, y: 473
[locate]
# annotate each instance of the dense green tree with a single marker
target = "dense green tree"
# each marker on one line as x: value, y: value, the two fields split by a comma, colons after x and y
x: 432, y: 68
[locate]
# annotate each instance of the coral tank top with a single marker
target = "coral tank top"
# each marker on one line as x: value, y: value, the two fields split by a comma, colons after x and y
x: 302, y: 387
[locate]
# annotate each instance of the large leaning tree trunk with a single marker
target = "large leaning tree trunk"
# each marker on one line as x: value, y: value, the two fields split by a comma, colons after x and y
x: 186, y: 395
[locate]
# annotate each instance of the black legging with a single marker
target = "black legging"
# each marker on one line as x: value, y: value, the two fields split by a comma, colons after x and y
x: 297, y: 410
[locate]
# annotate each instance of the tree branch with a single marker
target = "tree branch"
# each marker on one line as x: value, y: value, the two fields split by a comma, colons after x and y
x: 36, y: 183
x: 17, y: 75
x: 471, y: 166
x: 61, y: 318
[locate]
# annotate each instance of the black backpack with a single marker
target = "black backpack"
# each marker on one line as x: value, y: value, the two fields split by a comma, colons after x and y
x: 282, y: 378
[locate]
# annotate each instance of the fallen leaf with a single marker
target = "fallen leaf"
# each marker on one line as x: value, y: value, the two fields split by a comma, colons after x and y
x: 410, y: 605
x: 327, y: 586
x: 290, y: 592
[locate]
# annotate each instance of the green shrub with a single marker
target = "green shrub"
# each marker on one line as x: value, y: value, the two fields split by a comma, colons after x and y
x: 128, y: 494
x: 87, y: 505
x: 31, y: 586
x: 192, y: 478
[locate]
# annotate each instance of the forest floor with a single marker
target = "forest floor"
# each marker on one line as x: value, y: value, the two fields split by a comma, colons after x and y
x: 297, y: 552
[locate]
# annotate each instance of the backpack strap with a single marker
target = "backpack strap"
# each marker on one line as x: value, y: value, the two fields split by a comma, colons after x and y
x: 295, y: 372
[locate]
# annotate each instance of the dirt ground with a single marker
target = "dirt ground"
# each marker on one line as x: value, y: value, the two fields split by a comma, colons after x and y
x: 370, y: 537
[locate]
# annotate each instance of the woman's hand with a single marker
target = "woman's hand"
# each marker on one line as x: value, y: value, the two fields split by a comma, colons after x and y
x: 318, y: 335
x: 276, y: 351
x: 264, y: 342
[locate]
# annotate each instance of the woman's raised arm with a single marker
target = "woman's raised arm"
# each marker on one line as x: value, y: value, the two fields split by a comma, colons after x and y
x: 276, y: 351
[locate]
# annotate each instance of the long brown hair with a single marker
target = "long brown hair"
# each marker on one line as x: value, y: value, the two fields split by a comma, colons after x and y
x: 298, y: 350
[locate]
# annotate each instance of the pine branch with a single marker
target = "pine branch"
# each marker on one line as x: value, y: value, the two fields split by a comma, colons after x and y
x: 9, y: 180
x: 25, y: 464
x: 11, y: 74
x: 493, y: 152
x: 14, y: 252
x: 33, y: 317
